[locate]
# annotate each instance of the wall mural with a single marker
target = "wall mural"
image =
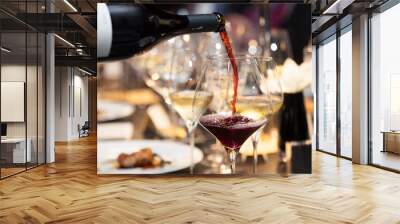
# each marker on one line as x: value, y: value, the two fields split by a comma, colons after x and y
x: 216, y: 93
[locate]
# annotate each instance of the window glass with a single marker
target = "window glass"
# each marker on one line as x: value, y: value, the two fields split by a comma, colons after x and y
x: 41, y: 98
x: 327, y: 96
x: 31, y: 87
x: 15, y: 149
x: 385, y: 84
x: 346, y: 94
x: 22, y: 90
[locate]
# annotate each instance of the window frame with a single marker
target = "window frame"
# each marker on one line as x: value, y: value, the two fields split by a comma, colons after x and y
x: 31, y: 30
x: 333, y: 33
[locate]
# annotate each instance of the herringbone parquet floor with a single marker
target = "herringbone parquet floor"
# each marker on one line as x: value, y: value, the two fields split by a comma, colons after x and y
x: 69, y: 191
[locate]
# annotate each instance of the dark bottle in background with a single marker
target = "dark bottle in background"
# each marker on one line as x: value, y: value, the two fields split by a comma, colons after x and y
x: 124, y: 30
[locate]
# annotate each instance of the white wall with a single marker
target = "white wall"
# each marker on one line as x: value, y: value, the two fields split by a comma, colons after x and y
x: 71, y: 94
x: 80, y: 110
x: 61, y: 103
x: 33, y: 126
x: 12, y: 73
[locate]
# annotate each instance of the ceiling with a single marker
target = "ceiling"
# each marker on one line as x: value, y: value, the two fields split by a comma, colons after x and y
x: 74, y: 22
x: 332, y: 15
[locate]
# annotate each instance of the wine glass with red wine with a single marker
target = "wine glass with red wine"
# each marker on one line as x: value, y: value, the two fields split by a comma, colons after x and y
x: 241, y: 106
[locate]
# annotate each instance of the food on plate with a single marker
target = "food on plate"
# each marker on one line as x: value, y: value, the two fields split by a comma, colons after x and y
x: 142, y: 158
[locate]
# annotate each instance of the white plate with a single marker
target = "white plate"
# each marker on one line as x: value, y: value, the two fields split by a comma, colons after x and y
x: 113, y: 110
x: 175, y: 152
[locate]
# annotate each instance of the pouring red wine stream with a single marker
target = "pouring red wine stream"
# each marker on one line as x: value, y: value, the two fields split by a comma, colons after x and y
x: 225, y: 39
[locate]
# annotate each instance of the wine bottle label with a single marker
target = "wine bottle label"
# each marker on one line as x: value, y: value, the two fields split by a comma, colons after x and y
x: 104, y: 31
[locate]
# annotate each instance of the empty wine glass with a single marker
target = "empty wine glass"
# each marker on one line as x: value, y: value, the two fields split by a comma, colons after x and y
x: 164, y: 67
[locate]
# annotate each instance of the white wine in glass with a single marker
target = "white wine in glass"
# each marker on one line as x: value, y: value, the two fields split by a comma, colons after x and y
x: 270, y: 86
x: 190, y: 110
x: 255, y: 107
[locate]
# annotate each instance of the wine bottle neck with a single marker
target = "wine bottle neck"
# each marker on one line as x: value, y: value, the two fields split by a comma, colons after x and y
x: 205, y: 23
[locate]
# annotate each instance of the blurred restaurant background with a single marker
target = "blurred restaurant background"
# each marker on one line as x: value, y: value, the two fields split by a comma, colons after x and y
x: 133, y: 98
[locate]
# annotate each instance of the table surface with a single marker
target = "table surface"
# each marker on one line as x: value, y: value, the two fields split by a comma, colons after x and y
x: 390, y: 132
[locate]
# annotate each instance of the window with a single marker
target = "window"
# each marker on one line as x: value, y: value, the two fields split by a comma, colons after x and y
x: 22, y: 77
x: 385, y: 88
x: 327, y: 96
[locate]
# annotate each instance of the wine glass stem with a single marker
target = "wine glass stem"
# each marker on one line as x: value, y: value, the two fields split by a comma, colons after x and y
x: 254, y: 139
x: 232, y: 158
x: 191, y: 143
x: 171, y: 113
x: 255, y: 154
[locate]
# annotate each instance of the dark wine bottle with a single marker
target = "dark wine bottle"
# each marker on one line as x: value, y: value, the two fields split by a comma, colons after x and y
x: 124, y: 30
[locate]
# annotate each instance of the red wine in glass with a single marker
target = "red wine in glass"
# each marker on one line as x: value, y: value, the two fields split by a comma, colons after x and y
x: 225, y: 39
x: 231, y: 130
